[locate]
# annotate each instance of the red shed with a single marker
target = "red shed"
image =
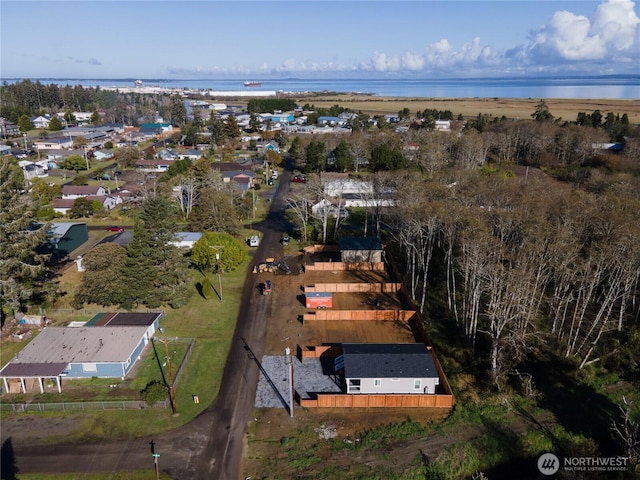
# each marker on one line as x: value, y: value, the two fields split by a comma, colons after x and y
x: 319, y: 299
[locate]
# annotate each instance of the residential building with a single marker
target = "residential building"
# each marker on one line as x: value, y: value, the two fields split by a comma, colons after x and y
x: 107, y: 346
x: 388, y: 368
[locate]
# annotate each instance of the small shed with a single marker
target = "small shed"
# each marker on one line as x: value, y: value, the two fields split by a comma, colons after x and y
x: 388, y: 368
x: 318, y: 300
x: 361, y: 249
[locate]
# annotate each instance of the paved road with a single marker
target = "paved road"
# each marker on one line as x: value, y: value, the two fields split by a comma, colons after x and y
x: 209, y: 447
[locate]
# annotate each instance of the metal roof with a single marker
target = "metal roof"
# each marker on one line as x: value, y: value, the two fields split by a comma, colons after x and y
x: 83, y: 344
x: 388, y: 360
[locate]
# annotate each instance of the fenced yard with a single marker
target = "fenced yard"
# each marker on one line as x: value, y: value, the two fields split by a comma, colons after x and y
x: 71, y: 407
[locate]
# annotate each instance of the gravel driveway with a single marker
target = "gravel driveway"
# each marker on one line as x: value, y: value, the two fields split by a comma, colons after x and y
x: 308, y: 379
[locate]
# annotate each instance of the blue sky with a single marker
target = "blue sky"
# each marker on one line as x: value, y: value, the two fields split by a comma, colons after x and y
x: 210, y: 39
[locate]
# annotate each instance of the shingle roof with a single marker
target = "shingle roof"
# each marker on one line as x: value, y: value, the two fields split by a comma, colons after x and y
x: 360, y: 243
x: 388, y: 360
x: 32, y: 370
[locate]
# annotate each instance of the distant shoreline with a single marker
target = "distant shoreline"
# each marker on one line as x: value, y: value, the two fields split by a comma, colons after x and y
x: 567, y: 108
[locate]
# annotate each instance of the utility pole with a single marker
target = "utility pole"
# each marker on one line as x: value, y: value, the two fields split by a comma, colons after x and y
x: 216, y: 248
x: 172, y: 396
x: 289, y: 360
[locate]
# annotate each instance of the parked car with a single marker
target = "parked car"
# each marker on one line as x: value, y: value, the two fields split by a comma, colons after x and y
x: 299, y: 179
x: 113, y: 228
x: 254, y: 241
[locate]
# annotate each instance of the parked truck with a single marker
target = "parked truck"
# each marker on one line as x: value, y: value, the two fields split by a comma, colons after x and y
x: 318, y: 300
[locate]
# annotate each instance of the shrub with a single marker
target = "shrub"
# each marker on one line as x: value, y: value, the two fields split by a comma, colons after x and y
x: 154, y: 392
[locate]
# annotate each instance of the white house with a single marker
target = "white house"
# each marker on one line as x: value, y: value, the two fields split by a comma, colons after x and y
x: 77, y: 191
x: 32, y: 170
x: 388, y: 368
x: 325, y: 207
x: 41, y: 121
x: 145, y: 165
x: 54, y: 143
x: 186, y: 239
x: 102, y: 155
x: 443, y: 125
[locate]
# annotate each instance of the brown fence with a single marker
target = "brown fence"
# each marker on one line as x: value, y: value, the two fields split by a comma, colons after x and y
x: 354, y: 287
x: 382, y: 401
x: 348, y: 266
x: 364, y: 315
x: 321, y: 248
x: 319, y: 350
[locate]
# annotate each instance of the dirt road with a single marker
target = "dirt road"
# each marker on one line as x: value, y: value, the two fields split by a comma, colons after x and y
x: 209, y: 447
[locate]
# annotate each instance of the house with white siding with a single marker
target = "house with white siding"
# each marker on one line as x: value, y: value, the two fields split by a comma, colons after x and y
x: 388, y: 368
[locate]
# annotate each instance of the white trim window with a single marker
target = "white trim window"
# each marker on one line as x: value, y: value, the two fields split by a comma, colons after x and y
x: 417, y: 384
x: 377, y: 382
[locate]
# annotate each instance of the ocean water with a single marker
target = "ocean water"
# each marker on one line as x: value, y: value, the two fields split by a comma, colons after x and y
x: 624, y: 87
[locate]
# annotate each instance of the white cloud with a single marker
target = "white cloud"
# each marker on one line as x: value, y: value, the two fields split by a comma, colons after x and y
x: 616, y: 23
x: 567, y: 42
x: 568, y: 37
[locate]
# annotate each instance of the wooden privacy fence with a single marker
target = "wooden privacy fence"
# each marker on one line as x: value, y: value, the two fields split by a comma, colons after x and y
x: 319, y: 350
x: 347, y: 266
x: 364, y: 315
x: 321, y: 248
x: 354, y: 287
x: 366, y: 401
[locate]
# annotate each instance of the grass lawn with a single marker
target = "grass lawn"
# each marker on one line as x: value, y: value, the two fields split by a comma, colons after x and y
x: 209, y: 324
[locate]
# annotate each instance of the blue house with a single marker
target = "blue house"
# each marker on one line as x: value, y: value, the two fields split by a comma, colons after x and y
x: 108, y: 346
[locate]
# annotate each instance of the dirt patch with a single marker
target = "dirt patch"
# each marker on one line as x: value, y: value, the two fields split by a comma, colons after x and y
x: 27, y: 429
x: 287, y: 329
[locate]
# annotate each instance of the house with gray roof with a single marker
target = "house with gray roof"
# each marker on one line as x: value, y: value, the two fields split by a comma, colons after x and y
x: 107, y: 346
x: 361, y: 249
x: 388, y: 368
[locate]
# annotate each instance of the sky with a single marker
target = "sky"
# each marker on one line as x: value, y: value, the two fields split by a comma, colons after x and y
x: 152, y: 39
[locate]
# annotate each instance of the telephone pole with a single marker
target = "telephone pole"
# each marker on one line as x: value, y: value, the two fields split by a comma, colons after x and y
x: 172, y: 396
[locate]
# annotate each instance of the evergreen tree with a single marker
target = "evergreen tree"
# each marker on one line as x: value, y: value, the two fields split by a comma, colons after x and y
x: 343, y: 157
x: 542, y: 113
x: 315, y: 157
x: 232, y: 130
x: 55, y: 125
x: 296, y: 152
x: 22, y: 270
x: 101, y: 281
x: 178, y: 111
x: 155, y: 272
x: 24, y: 123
